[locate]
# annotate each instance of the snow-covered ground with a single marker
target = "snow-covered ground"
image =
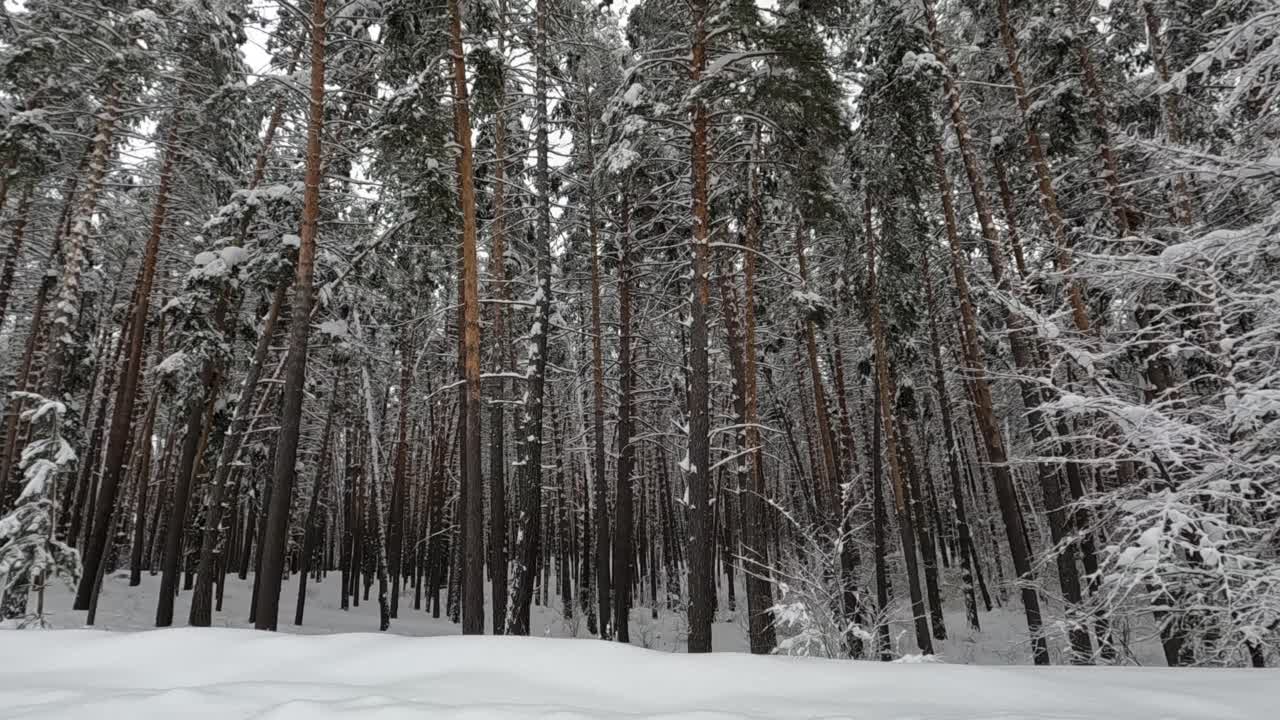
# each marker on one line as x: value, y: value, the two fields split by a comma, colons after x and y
x: 342, y: 670
x: 1002, y: 641
x: 224, y: 674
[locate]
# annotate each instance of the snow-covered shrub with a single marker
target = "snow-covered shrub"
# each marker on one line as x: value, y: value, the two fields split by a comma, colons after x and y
x: 809, y: 616
x: 1189, y: 512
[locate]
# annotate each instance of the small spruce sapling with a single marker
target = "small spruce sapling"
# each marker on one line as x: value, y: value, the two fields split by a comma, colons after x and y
x: 30, y: 552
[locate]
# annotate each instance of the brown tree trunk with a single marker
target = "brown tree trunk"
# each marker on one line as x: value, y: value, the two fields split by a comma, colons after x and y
x: 1048, y: 195
x: 73, y: 256
x: 755, y: 545
x: 920, y: 524
x: 610, y: 591
x: 1172, y: 116
x: 472, y: 510
x: 884, y: 385
x: 701, y: 542
x: 276, y: 540
x: 211, y: 546
x: 832, y: 480
x: 968, y: 557
x: 879, y: 522
x: 982, y: 393
x: 140, y: 496
x: 992, y: 440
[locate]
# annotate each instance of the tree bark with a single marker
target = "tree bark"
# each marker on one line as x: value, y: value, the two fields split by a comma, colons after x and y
x: 897, y: 479
x: 73, y: 255
x: 701, y: 543
x: 309, y: 528
x: 472, y: 510
x: 968, y: 557
x: 623, y: 552
x: 276, y: 540
x: 15, y: 251
x: 982, y: 393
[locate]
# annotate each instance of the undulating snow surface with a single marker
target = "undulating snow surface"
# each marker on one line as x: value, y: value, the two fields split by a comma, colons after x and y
x: 227, y: 674
x: 418, y: 671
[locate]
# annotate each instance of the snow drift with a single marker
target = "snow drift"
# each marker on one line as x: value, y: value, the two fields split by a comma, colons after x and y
x: 230, y: 674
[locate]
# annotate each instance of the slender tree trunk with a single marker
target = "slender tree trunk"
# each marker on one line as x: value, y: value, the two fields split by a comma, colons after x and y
x: 1048, y: 195
x: 968, y: 557
x: 755, y: 546
x: 879, y: 522
x: 701, y: 542
x: 528, y: 548
x: 377, y: 506
x: 73, y: 253
x: 623, y: 552
x: 884, y: 385
x: 920, y: 523
x: 181, y: 498
x: 502, y: 358
x: 982, y: 393
x: 1185, y: 214
x: 993, y: 441
x: 830, y: 466
x: 140, y: 497
x: 472, y: 510
x: 211, y: 548
x: 276, y: 539
x: 395, y: 538
x: 310, y: 537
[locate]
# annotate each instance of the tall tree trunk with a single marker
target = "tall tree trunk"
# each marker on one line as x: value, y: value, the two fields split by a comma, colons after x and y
x: 472, y: 510
x: 73, y: 253
x: 884, y: 386
x: 211, y: 546
x: 830, y: 466
x: 502, y: 354
x: 528, y: 548
x: 993, y: 441
x: 377, y: 506
x: 623, y: 552
x: 395, y: 536
x: 968, y: 557
x: 140, y: 496
x: 1185, y: 214
x: 1048, y: 195
x: 879, y: 522
x: 920, y: 523
x: 310, y: 533
x: 276, y: 540
x: 755, y: 545
x: 701, y: 542
x: 986, y: 415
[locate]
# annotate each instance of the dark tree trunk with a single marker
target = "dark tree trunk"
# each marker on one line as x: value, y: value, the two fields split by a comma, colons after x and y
x: 701, y: 542
x: 310, y: 537
x: 276, y: 539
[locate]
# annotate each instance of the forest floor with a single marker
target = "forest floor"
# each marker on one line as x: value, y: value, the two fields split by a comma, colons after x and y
x: 1002, y: 640
x: 230, y: 673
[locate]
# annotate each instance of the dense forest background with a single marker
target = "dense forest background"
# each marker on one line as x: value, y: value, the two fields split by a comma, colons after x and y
x: 821, y: 312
